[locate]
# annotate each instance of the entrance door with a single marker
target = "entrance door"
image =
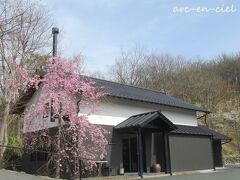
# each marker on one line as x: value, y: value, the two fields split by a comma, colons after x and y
x: 160, y: 150
x: 217, y: 154
x: 130, y: 158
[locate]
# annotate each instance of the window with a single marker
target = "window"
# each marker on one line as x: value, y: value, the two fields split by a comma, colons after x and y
x: 47, y: 107
x: 49, y: 111
x: 38, y: 156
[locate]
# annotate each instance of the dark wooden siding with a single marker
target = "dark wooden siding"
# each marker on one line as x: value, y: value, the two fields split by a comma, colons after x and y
x: 190, y: 152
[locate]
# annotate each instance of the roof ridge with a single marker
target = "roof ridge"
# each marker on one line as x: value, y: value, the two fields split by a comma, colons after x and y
x: 146, y: 113
x: 138, y: 115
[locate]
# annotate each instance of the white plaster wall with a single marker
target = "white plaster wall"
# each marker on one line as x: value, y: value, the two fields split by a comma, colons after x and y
x: 39, y: 123
x: 113, y: 111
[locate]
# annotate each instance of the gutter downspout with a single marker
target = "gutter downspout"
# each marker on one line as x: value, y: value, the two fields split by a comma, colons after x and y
x: 222, y: 143
x: 205, y: 117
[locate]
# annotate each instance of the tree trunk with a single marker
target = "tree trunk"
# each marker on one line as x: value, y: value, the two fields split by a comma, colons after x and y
x: 19, y: 127
x: 58, y: 167
x: 58, y: 154
x: 3, y: 130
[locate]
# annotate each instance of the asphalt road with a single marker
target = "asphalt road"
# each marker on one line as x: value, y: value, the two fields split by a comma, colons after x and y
x: 223, y: 174
x: 12, y: 175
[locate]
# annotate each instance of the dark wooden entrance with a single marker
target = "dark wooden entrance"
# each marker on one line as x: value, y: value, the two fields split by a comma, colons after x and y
x: 130, y: 158
x: 134, y: 149
x: 217, y: 154
x: 130, y: 154
x: 159, y: 149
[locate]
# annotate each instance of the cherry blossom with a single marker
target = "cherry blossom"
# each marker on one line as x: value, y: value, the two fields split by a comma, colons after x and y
x: 63, y: 91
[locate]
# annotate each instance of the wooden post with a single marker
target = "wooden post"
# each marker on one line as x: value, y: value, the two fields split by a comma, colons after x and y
x: 167, y: 153
x: 140, y: 154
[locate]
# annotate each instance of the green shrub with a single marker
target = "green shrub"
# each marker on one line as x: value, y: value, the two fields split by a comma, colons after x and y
x: 12, y: 156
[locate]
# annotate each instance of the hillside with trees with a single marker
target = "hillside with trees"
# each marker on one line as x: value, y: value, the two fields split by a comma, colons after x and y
x: 213, y: 84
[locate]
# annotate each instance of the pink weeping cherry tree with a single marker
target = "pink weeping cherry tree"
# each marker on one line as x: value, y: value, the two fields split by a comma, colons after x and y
x: 53, y: 123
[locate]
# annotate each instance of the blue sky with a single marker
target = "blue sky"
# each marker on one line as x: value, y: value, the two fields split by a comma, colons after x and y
x: 99, y: 29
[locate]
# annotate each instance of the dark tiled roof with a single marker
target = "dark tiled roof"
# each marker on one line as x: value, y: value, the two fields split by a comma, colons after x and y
x: 146, y: 95
x: 20, y: 105
x: 125, y: 91
x: 140, y: 120
x: 200, y: 130
x: 193, y: 130
x: 216, y: 135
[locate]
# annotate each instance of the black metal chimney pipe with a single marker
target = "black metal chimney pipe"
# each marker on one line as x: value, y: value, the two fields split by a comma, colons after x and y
x: 55, y: 32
